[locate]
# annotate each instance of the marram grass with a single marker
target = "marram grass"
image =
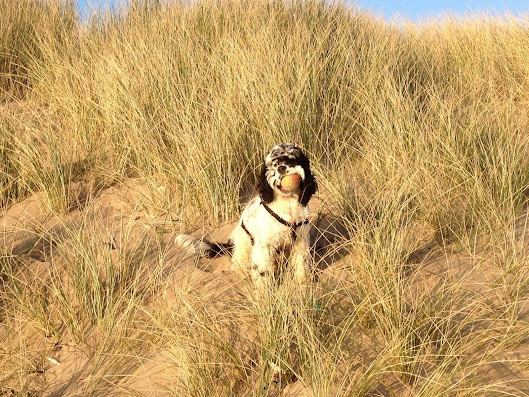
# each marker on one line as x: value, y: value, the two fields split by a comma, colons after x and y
x: 418, y: 137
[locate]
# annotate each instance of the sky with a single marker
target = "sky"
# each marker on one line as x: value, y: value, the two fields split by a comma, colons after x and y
x: 422, y: 9
x: 413, y: 9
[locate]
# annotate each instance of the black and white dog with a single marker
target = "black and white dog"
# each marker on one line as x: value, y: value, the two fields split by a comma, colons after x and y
x: 274, y: 225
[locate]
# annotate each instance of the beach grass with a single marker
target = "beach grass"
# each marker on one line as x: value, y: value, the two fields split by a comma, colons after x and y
x: 123, y: 129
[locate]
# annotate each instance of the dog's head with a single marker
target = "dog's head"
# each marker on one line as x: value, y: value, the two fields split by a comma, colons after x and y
x: 286, y: 159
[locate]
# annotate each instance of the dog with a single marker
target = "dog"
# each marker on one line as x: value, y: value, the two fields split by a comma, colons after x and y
x: 273, y: 230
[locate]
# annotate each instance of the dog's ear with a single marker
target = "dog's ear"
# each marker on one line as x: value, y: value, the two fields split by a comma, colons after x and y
x: 263, y: 187
x: 309, y: 185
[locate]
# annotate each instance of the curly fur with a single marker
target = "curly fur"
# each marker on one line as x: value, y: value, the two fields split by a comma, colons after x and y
x: 273, y: 225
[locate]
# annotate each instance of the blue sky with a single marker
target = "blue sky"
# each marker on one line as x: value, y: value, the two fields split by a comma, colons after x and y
x: 414, y: 9
x: 420, y: 9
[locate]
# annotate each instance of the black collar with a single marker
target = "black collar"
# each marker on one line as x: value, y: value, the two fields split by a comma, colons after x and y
x: 292, y: 225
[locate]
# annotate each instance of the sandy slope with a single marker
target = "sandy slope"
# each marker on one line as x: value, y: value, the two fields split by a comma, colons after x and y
x: 151, y: 363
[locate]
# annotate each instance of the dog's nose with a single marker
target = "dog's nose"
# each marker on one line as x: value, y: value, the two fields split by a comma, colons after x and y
x: 281, y: 169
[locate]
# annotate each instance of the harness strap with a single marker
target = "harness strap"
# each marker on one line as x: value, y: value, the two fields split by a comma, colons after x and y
x: 293, y: 229
x: 281, y: 220
x: 252, y: 240
x: 292, y: 225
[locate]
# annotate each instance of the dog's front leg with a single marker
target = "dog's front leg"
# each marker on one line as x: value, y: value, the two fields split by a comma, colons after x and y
x: 262, y: 266
x: 301, y: 259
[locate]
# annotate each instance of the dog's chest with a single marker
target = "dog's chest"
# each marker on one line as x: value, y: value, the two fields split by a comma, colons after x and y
x: 282, y: 240
x: 268, y: 230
